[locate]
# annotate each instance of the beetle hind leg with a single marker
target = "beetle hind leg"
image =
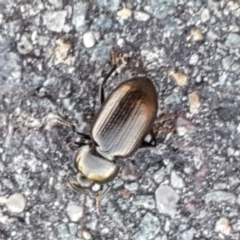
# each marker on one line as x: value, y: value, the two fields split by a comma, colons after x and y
x: 166, y: 122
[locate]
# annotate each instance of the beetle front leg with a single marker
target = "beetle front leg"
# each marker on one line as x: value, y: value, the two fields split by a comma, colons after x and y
x: 116, y: 59
x: 79, y: 183
x: 101, y: 90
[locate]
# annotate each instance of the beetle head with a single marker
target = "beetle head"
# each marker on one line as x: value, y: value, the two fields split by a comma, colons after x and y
x: 92, y: 168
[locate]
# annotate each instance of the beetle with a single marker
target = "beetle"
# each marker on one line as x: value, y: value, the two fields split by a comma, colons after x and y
x: 124, y: 120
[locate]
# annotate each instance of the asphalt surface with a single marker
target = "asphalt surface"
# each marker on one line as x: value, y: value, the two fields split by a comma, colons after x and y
x: 54, y: 53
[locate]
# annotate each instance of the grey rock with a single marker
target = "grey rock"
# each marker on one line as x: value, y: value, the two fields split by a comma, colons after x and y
x: 131, y: 186
x: 3, y: 123
x: 111, y: 5
x: 10, y: 66
x: 129, y: 172
x: 222, y: 78
x: 79, y: 15
x: 24, y: 46
x: 161, y: 8
x: 233, y: 40
x: 148, y: 228
x: 102, y: 23
x: 56, y: 3
x: 187, y: 235
x: 63, y: 232
x: 172, y: 99
x: 220, y: 196
x: 55, y: 21
x: 144, y: 201
x: 43, y: 40
x: 166, y: 200
x: 159, y: 175
x: 101, y: 53
x: 220, y: 186
x: 227, y: 62
x: 164, y: 237
x: 73, y: 228
x: 176, y: 180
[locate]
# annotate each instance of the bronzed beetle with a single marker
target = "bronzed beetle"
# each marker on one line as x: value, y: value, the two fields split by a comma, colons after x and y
x: 124, y: 120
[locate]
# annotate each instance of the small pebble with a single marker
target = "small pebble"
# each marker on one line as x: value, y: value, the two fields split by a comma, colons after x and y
x: 96, y: 187
x: 88, y: 39
x: 148, y: 227
x: 129, y: 172
x: 43, y: 40
x: 24, y: 46
x: 176, y: 180
x: 184, y: 126
x: 166, y: 200
x: 233, y: 40
x: 220, y: 196
x: 56, y: 3
x: 194, y: 102
x: 61, y: 53
x: 195, y: 35
x: 3, y: 219
x: 55, y: 21
x: 223, y: 226
x: 141, y: 16
x: 3, y: 200
x: 205, y: 15
x: 193, y: 59
x: 74, y: 212
x: 16, y: 203
x: 86, y: 235
x: 179, y: 77
x: 144, y: 201
x: 124, y: 13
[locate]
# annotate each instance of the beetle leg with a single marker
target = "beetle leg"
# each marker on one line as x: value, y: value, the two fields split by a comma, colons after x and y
x: 99, y: 198
x: 79, y: 183
x: 101, y: 90
x: 116, y: 59
x: 84, y: 140
x: 51, y: 120
x: 166, y: 122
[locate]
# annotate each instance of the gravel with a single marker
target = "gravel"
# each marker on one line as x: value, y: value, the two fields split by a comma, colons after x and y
x: 53, y: 55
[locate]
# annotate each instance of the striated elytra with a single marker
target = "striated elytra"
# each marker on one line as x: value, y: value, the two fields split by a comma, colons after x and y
x: 122, y: 123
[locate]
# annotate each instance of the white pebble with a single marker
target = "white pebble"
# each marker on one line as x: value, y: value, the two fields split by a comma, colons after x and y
x: 3, y: 200
x: 223, y: 226
x: 205, y: 15
x: 74, y: 212
x: 193, y: 59
x: 16, y: 203
x: 3, y: 219
x: 124, y: 13
x: 88, y: 39
x: 141, y: 16
x: 86, y: 235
